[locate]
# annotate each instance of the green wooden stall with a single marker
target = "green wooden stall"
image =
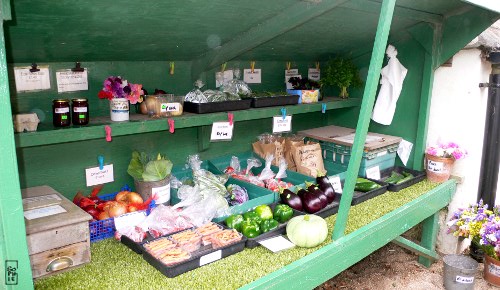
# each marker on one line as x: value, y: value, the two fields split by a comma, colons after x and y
x: 139, y: 40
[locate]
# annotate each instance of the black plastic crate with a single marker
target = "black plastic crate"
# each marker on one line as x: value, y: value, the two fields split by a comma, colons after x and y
x: 260, y: 102
x: 418, y: 176
x: 205, y: 255
x: 203, y: 108
x: 137, y: 247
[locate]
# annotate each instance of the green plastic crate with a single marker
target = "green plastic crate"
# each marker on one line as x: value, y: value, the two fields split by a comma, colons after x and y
x: 257, y: 195
x: 337, y: 167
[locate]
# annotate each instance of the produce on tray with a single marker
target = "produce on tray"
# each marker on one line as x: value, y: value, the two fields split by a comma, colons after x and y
x: 159, y: 246
x: 224, y: 238
x: 260, y: 220
x: 291, y: 199
x: 312, y: 198
x: 398, y: 178
x: 174, y: 256
x: 307, y: 231
x: 325, y: 186
x: 231, y: 91
x: 207, y: 230
x: 189, y: 240
x: 365, y: 185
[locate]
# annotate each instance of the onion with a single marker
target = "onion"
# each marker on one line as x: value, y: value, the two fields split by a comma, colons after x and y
x: 102, y: 216
x: 129, y: 197
x: 115, y: 208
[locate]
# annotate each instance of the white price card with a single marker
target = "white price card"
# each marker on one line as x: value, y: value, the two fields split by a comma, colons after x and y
x: 170, y: 107
x: 32, y: 81
x: 314, y: 74
x: 282, y: 125
x: 43, y: 212
x: 373, y: 172
x: 276, y: 244
x: 221, y: 131
x: 161, y: 193
x: 129, y: 220
x: 336, y: 183
x: 209, y: 258
x: 70, y: 81
x: 435, y: 166
x: 95, y: 176
x: 464, y: 279
x: 254, y: 77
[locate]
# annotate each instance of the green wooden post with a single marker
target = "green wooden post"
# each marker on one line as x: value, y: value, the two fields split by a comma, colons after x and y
x: 372, y: 80
x: 430, y: 228
x: 13, y: 246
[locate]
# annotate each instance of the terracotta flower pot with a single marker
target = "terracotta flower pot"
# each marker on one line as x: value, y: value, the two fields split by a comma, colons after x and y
x: 438, y: 168
x: 491, y: 271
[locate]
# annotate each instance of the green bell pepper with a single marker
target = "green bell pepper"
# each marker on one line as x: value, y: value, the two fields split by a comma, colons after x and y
x: 282, y: 213
x: 264, y: 211
x: 268, y: 225
x: 234, y: 222
x: 250, y: 229
x: 252, y: 215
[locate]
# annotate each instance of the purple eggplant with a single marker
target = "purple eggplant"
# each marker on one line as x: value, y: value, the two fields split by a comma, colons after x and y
x: 326, y: 187
x: 313, y: 188
x: 291, y: 199
x: 301, y: 192
x: 311, y: 202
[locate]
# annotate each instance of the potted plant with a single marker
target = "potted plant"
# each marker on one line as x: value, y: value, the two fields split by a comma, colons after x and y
x: 490, y: 243
x: 308, y: 90
x: 342, y: 73
x: 120, y: 92
x: 440, y: 159
x: 151, y: 175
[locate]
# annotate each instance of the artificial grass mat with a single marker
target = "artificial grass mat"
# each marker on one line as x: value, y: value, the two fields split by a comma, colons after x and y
x: 114, y: 266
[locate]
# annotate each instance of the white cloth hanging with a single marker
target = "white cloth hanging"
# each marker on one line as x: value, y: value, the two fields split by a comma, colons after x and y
x: 392, y: 77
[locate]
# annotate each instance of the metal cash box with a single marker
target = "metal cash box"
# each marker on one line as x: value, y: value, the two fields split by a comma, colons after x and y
x: 57, y: 231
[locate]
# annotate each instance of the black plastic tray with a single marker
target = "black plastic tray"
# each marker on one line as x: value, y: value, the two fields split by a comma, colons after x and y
x: 203, y: 108
x: 359, y: 197
x: 418, y: 176
x: 274, y: 101
x: 137, y: 247
x: 194, y: 262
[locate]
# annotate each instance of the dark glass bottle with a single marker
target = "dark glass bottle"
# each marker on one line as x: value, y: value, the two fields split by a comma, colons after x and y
x: 61, y: 116
x: 80, y: 111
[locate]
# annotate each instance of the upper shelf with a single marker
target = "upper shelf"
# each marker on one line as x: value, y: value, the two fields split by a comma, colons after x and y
x: 142, y: 124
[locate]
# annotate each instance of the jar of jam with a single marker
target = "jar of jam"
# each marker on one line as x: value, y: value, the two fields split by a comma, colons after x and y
x: 80, y: 111
x: 60, y: 113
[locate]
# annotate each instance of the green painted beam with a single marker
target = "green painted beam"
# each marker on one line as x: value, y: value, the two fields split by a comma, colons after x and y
x: 416, y: 248
x: 400, y: 12
x: 288, y: 19
x: 5, y: 11
x: 334, y: 258
x: 430, y: 229
x: 72, y: 134
x: 13, y: 245
x: 372, y: 81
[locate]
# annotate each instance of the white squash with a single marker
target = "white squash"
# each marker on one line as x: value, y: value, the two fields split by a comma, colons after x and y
x: 307, y: 231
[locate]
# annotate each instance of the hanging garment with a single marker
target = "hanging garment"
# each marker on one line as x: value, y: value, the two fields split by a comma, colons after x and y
x: 392, y: 77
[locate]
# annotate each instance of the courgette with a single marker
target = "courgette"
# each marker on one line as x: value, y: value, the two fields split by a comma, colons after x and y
x: 365, y: 185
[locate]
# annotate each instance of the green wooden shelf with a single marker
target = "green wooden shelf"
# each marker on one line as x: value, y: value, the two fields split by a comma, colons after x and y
x: 138, y: 124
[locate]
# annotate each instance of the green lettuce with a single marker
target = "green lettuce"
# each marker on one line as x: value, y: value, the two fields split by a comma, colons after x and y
x: 144, y: 168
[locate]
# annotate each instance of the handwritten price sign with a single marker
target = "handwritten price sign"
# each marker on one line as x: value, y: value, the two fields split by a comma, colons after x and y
x: 221, y: 131
x: 282, y: 125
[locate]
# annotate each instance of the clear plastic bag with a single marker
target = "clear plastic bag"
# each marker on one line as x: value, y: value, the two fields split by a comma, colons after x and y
x: 251, y: 163
x: 196, y: 95
x: 164, y: 220
x: 235, y: 164
x: 282, y: 169
x: 267, y: 172
x: 236, y: 87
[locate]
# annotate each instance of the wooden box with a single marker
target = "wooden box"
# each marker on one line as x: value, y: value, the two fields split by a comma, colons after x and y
x: 57, y: 231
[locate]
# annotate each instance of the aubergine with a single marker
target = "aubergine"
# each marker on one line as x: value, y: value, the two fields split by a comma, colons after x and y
x: 313, y: 188
x: 311, y: 202
x: 325, y: 186
x: 301, y: 192
x: 291, y: 199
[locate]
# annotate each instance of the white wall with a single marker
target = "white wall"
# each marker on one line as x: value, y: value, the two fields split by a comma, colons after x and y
x: 457, y: 113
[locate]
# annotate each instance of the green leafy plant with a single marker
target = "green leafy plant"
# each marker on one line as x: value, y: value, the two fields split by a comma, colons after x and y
x: 146, y: 168
x: 342, y: 73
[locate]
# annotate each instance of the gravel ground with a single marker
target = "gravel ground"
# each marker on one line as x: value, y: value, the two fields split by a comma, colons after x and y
x: 393, y: 267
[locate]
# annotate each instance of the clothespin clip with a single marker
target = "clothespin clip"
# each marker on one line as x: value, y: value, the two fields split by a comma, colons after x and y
x: 223, y: 67
x: 283, y: 113
x: 230, y: 118
x: 323, y: 108
x: 78, y: 67
x: 100, y: 159
x: 108, y: 133
x: 172, y: 67
x: 171, y: 125
x: 34, y: 67
x: 252, y: 66
x: 317, y: 65
x: 288, y: 65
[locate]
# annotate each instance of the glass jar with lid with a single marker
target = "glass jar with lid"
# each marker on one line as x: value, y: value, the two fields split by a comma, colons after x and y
x: 80, y: 111
x: 61, y: 116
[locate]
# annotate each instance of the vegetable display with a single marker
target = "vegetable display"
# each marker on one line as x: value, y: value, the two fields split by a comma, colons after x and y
x: 282, y: 213
x: 325, y: 186
x: 291, y: 199
x: 398, y: 178
x: 307, y: 231
x: 365, y: 185
x: 146, y: 168
x: 311, y: 199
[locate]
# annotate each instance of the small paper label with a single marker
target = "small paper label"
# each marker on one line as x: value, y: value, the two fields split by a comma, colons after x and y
x: 70, y: 81
x: 404, y: 151
x: 435, y: 166
x: 464, y: 280
x: 43, y: 212
x: 282, y: 125
x: 373, y: 172
x: 32, y: 81
x: 494, y: 270
x: 80, y: 109
x: 170, y: 107
x: 162, y: 193
x: 336, y: 184
x: 221, y: 131
x: 61, y: 110
x: 95, y: 176
x: 129, y: 220
x: 250, y: 77
x: 314, y: 74
x: 277, y: 244
x: 209, y: 258
x: 49, y: 197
